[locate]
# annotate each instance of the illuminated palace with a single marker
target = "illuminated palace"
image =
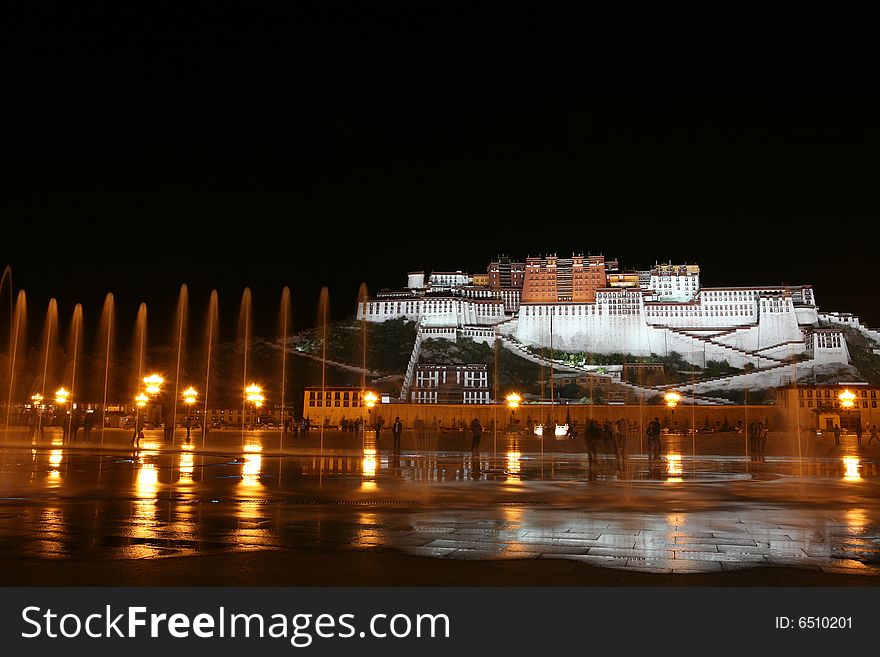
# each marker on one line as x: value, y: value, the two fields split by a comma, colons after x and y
x: 587, y: 303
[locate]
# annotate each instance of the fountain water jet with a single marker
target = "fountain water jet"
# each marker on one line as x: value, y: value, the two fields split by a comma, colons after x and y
x: 75, y: 332
x: 284, y: 318
x: 213, y: 316
x: 363, y: 296
x: 244, y: 332
x: 140, y: 347
x: 323, y: 307
x: 106, y: 335
x: 17, y: 331
x: 180, y: 323
x: 7, y: 276
x: 51, y: 322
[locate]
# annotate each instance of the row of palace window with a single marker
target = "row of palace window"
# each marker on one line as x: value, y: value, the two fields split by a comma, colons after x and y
x: 809, y: 404
x: 428, y: 397
x: 828, y: 340
x: 688, y: 282
x: 809, y: 393
x: 335, y: 398
x: 471, y: 379
x: 691, y: 312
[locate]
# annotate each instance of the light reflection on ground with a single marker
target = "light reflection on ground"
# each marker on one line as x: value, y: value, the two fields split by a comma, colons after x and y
x: 678, y: 513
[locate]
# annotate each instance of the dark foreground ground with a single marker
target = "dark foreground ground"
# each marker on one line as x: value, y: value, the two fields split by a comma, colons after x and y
x: 242, y: 511
x: 384, y: 568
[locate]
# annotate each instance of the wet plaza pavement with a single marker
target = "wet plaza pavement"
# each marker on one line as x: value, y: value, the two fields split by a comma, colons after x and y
x: 696, y: 509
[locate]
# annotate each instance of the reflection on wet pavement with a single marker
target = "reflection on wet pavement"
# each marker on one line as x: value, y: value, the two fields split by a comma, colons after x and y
x: 675, y: 513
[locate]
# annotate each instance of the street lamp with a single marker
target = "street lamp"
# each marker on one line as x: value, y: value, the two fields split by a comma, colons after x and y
x: 254, y: 394
x: 513, y: 400
x: 370, y: 399
x: 847, y: 399
x: 672, y: 398
x: 153, y: 384
x: 61, y: 396
x: 152, y: 387
x: 37, y: 398
x: 140, y: 402
x: 189, y: 398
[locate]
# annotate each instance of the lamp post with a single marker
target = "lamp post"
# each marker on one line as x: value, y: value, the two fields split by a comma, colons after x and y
x: 140, y: 402
x: 672, y: 398
x: 253, y: 394
x: 513, y: 401
x: 37, y: 401
x: 153, y: 384
x: 370, y: 399
x: 847, y: 400
x: 61, y: 397
x: 189, y: 398
x: 152, y: 387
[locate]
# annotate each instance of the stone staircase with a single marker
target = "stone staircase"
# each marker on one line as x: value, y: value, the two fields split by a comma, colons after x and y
x: 776, y: 346
x: 686, y: 397
x: 731, y: 377
x: 647, y: 391
x: 702, y: 341
x: 411, y: 366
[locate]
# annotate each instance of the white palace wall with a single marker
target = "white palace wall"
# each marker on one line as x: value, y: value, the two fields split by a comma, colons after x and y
x: 434, y: 311
x: 742, y: 327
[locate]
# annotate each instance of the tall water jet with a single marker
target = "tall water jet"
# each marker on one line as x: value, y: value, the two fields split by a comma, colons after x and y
x: 180, y: 323
x: 6, y: 281
x: 50, y: 332
x: 362, y: 304
x: 244, y: 333
x: 140, y: 349
x: 284, y: 321
x: 213, y: 316
x: 106, y: 341
x: 17, y: 333
x: 323, y: 310
x: 363, y: 296
x: 75, y: 337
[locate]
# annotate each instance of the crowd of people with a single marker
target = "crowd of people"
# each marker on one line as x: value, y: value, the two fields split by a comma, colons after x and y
x: 71, y: 424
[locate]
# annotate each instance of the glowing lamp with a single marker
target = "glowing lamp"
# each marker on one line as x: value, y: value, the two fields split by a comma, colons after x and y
x: 513, y: 400
x: 672, y: 399
x: 370, y: 399
x: 153, y: 384
x: 37, y: 398
x: 189, y: 396
x: 254, y: 394
x: 847, y: 399
x: 141, y: 400
x: 61, y: 396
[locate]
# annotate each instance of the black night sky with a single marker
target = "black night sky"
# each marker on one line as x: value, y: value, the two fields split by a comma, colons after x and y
x: 222, y: 147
